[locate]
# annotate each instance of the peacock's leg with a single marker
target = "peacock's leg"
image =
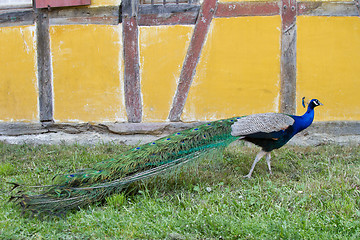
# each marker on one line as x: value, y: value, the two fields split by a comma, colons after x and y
x: 268, y: 157
x: 257, y: 159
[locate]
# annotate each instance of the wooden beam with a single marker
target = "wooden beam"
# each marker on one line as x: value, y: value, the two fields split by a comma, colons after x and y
x: 202, y: 25
x: 169, y: 14
x: 132, y: 88
x: 288, y: 57
x: 237, y: 9
x: 130, y: 8
x: 44, y: 66
x: 328, y: 8
x: 17, y: 17
x: 108, y: 15
x: 170, y: 8
x: 186, y: 18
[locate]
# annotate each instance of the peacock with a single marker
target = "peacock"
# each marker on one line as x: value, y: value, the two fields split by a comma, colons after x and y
x: 272, y: 130
x: 75, y: 190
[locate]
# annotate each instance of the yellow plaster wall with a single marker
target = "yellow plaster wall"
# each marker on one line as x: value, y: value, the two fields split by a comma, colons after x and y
x: 96, y: 3
x: 162, y: 53
x: 238, y: 71
x: 87, y: 69
x: 225, y: 1
x: 328, y: 53
x: 18, y: 83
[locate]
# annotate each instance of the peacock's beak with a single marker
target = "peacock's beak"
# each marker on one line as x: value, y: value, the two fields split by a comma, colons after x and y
x: 320, y: 104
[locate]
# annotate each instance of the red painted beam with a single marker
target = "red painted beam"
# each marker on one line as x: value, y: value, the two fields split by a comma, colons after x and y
x: 60, y: 3
x: 237, y: 9
x: 132, y: 89
x: 202, y: 25
x: 288, y: 14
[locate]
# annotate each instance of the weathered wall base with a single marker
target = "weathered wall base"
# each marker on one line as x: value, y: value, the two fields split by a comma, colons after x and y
x: 137, y: 133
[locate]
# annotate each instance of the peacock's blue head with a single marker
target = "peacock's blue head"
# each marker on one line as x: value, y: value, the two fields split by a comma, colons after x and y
x: 314, y: 103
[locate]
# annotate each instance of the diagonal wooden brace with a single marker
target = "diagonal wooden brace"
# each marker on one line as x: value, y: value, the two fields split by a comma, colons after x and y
x: 202, y: 25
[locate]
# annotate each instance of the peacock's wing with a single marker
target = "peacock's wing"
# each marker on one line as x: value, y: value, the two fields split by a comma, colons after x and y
x: 264, y: 125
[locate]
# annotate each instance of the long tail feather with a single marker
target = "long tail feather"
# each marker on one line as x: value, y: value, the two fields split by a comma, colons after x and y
x: 71, y: 191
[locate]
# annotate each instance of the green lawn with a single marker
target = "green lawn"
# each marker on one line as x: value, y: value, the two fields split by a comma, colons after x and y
x: 313, y: 194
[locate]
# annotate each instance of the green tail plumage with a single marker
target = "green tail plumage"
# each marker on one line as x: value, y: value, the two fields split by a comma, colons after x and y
x: 72, y: 191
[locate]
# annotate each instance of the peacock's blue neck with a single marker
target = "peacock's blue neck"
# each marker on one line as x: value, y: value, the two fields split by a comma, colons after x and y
x: 304, y: 121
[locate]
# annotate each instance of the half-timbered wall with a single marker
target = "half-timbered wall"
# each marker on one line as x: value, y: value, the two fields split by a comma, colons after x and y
x: 191, y: 61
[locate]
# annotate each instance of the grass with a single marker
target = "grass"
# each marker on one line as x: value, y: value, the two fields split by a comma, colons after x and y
x: 313, y: 194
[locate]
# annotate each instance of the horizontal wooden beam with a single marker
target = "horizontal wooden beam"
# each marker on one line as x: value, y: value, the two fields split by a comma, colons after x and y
x: 328, y: 9
x: 238, y: 9
x: 167, y: 9
x: 186, y: 18
x: 17, y: 17
x: 107, y: 15
x: 169, y: 14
